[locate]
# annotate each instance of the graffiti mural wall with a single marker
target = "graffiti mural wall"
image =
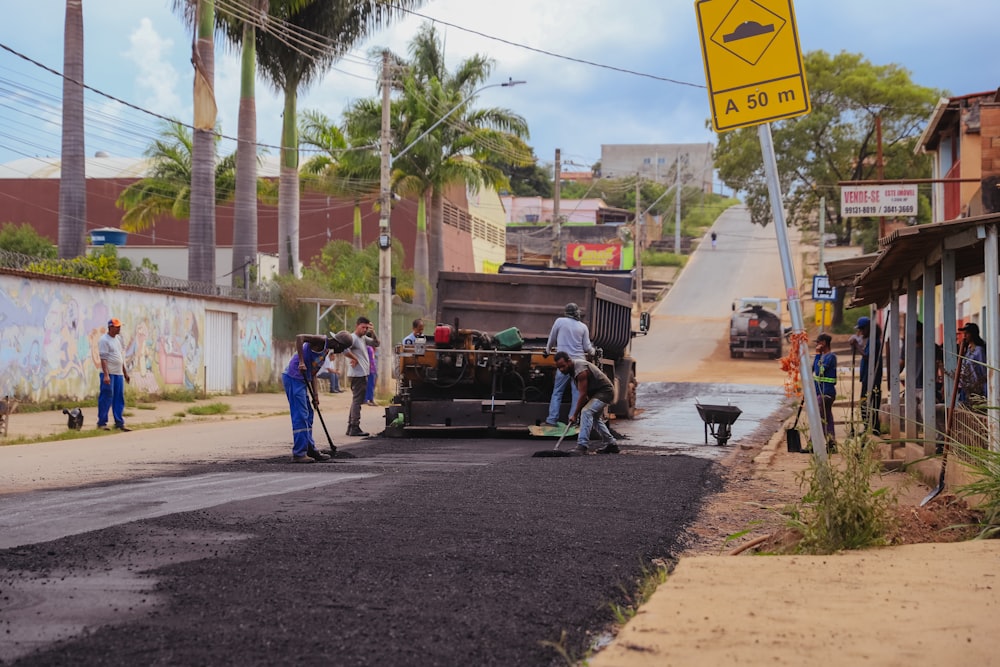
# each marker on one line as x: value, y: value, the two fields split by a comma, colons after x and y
x: 49, y: 331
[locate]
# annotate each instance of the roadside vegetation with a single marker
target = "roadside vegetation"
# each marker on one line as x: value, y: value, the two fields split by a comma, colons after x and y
x: 841, y: 509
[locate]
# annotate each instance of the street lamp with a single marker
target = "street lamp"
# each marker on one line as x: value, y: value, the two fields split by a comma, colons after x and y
x: 385, y: 235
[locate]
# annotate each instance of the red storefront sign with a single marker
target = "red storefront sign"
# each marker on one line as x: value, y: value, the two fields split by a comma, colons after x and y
x: 593, y: 256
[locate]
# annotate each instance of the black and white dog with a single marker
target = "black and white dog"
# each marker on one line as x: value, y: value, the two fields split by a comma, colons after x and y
x: 75, y: 420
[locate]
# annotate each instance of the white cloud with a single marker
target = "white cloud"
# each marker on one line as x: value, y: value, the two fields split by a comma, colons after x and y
x: 156, y: 79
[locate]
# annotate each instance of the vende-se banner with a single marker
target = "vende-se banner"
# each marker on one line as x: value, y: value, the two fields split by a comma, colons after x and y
x: 863, y: 201
x: 593, y: 256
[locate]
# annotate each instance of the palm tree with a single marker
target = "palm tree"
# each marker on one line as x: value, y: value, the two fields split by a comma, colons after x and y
x: 239, y: 24
x: 465, y: 149
x: 167, y: 188
x: 73, y: 179
x: 245, y: 202
x: 288, y: 68
x: 201, y: 229
x: 339, y: 169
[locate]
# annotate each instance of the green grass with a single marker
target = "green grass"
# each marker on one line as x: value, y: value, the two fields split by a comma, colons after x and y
x: 647, y: 583
x: 985, y: 467
x: 82, y: 434
x: 210, y: 409
x: 653, y: 258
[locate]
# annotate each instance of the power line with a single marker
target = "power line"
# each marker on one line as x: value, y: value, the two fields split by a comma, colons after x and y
x: 550, y: 53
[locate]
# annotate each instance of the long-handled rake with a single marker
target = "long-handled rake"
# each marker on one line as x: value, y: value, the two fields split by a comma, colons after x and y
x: 312, y: 394
x: 854, y: 414
x: 947, y: 432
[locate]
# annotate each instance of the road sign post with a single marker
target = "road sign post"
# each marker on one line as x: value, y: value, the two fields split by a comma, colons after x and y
x: 755, y: 75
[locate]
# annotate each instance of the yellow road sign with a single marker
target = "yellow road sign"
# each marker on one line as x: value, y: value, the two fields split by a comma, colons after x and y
x: 753, y: 64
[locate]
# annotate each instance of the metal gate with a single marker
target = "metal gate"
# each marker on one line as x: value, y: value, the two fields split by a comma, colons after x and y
x: 219, y: 342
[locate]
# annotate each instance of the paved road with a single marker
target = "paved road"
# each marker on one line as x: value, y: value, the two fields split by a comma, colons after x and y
x: 690, y: 326
x: 202, y: 544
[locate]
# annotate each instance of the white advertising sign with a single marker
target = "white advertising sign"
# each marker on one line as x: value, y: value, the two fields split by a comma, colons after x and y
x: 862, y: 201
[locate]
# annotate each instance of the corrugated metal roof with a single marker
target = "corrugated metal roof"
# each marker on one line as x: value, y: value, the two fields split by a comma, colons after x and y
x: 907, y: 248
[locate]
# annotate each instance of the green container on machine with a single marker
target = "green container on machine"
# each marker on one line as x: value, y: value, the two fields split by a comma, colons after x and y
x: 509, y: 339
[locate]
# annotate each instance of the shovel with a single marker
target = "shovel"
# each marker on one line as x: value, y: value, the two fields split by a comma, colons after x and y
x: 554, y: 452
x: 333, y: 448
x: 947, y: 433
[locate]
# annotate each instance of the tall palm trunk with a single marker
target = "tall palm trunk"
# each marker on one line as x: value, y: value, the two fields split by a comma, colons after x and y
x: 436, y: 250
x: 420, y: 263
x: 357, y: 225
x: 201, y: 230
x: 245, y: 203
x: 73, y: 180
x: 288, y: 188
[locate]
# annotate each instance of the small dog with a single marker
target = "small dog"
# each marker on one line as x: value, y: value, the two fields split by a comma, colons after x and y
x: 75, y: 420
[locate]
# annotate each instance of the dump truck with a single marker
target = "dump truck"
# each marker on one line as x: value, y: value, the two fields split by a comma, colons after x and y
x: 483, y: 366
x: 755, y: 327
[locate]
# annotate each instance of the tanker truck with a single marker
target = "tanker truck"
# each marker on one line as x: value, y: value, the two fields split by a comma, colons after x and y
x: 755, y: 327
x: 484, y: 366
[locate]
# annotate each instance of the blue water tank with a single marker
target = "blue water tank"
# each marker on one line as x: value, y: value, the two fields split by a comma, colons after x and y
x: 108, y: 236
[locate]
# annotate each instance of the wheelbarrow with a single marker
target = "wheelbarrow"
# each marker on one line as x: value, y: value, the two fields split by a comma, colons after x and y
x: 718, y: 421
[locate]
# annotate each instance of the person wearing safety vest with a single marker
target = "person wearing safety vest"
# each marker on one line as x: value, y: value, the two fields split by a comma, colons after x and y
x: 825, y: 379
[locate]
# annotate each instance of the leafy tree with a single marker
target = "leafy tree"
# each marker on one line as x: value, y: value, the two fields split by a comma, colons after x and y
x: 346, y: 271
x: 167, y: 189
x: 457, y: 151
x: 340, y: 169
x: 529, y: 180
x: 289, y: 67
x: 836, y: 142
x: 23, y: 239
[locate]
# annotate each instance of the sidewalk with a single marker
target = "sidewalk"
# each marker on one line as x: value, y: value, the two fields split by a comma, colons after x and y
x: 334, y: 408
x: 257, y: 426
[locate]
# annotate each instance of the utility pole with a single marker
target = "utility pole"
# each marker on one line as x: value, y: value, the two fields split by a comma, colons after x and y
x: 556, y: 259
x: 677, y: 207
x: 637, y: 243
x: 385, y: 356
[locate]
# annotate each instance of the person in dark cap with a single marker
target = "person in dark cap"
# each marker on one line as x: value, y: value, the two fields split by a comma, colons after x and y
x: 571, y: 336
x: 825, y: 378
x: 871, y: 397
x: 972, y: 380
x: 304, y: 367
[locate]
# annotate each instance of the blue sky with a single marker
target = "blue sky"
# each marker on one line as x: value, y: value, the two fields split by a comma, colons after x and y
x: 606, y: 83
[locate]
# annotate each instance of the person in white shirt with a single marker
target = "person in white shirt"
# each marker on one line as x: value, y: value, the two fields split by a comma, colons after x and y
x: 330, y: 372
x: 357, y: 356
x: 571, y: 336
x: 113, y: 377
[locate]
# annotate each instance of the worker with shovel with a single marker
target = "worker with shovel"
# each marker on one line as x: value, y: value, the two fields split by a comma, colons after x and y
x: 596, y: 392
x: 299, y: 380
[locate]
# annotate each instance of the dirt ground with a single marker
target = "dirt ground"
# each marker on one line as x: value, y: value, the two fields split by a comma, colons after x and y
x: 929, y: 598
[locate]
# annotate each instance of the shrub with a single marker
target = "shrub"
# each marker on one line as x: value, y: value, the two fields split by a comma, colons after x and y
x: 841, y: 510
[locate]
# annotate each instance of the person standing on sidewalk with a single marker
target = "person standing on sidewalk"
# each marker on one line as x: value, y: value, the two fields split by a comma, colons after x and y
x: 113, y: 377
x: 571, y: 336
x: 357, y: 356
x: 596, y: 392
x: 825, y: 378
x: 871, y: 397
